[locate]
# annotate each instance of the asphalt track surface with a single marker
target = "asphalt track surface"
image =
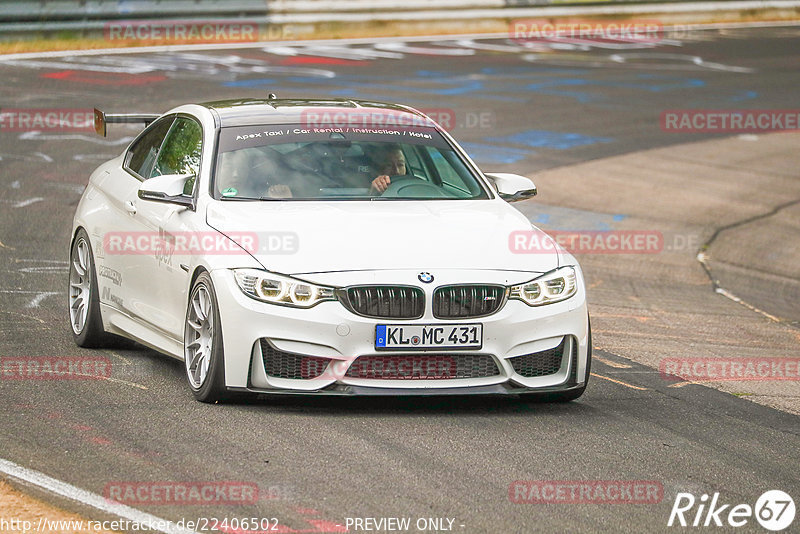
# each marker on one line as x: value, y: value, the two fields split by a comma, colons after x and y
x: 317, y: 462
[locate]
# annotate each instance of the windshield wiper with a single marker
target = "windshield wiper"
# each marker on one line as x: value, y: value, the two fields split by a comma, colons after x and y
x: 238, y: 198
x: 253, y: 198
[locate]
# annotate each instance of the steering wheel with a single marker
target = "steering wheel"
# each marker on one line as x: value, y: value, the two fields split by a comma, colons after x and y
x: 412, y: 187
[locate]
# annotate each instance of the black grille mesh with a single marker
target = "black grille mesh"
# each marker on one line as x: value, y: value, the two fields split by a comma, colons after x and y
x: 546, y: 362
x: 423, y: 367
x: 390, y: 302
x: 287, y: 365
x: 464, y: 301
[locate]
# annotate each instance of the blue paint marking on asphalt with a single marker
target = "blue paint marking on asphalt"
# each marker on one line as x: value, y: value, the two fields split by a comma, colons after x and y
x: 258, y: 82
x: 552, y: 86
x: 559, y: 218
x: 530, y: 71
x: 495, y: 84
x: 547, y: 139
x: 451, y: 85
x: 494, y: 154
x: 745, y: 95
x: 375, y: 86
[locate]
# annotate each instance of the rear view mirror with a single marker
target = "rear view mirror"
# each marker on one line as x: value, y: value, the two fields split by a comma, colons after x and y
x: 167, y: 188
x: 512, y: 187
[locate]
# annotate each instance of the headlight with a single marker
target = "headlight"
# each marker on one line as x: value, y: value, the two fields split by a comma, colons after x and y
x: 554, y: 286
x: 278, y: 289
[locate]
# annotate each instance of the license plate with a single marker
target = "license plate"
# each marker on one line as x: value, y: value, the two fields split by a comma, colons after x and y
x: 428, y: 336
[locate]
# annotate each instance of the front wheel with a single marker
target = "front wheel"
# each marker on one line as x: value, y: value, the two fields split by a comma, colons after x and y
x: 203, y: 350
x: 84, y: 301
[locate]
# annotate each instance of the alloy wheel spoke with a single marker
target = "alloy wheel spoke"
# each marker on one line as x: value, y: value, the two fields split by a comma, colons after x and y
x: 79, y: 269
x: 205, y: 305
x: 197, y: 311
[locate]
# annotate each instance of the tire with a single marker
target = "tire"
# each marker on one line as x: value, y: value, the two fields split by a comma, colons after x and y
x: 203, y: 351
x: 86, y: 322
x: 573, y: 394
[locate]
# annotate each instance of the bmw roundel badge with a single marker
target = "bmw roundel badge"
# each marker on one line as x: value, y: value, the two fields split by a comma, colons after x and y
x: 425, y: 278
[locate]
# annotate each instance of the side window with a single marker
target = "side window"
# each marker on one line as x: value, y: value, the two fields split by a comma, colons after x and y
x: 454, y: 175
x: 415, y: 167
x: 181, y: 151
x: 142, y: 155
x: 446, y: 172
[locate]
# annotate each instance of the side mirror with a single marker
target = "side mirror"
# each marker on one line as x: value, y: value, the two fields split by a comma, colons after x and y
x: 167, y: 188
x: 512, y: 187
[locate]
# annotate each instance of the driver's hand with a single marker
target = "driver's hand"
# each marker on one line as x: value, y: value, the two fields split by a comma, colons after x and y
x: 381, y: 183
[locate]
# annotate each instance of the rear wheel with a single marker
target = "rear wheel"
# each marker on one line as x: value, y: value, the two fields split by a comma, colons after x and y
x: 203, y: 351
x: 84, y: 301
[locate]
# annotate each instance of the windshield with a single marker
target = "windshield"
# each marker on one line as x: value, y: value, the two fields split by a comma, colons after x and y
x: 292, y: 162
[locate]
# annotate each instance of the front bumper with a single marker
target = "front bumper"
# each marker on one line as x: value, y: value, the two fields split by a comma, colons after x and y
x: 341, y: 390
x: 331, y: 333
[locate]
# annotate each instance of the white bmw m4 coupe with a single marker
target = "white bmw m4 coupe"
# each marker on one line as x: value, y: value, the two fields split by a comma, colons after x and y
x: 326, y: 247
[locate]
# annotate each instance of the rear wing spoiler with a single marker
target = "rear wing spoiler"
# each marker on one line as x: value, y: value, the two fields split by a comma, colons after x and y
x: 102, y: 119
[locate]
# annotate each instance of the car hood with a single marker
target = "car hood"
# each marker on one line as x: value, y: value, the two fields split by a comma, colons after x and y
x: 297, y: 237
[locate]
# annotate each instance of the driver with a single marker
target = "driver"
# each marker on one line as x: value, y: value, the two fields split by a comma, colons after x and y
x: 390, y: 162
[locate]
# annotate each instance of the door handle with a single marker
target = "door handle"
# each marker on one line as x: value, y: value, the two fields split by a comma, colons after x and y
x: 130, y: 207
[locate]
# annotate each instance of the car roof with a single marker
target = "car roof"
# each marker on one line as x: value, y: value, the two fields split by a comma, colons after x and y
x: 254, y: 111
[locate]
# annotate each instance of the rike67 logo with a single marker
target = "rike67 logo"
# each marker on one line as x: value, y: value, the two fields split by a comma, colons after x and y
x: 774, y: 510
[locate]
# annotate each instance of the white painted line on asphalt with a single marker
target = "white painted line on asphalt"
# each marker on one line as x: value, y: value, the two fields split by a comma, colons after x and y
x: 118, y: 381
x: 88, y: 498
x: 28, y: 202
x: 703, y: 257
x: 425, y: 51
x: 37, y: 300
x: 22, y: 203
x: 37, y: 135
x: 726, y: 293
